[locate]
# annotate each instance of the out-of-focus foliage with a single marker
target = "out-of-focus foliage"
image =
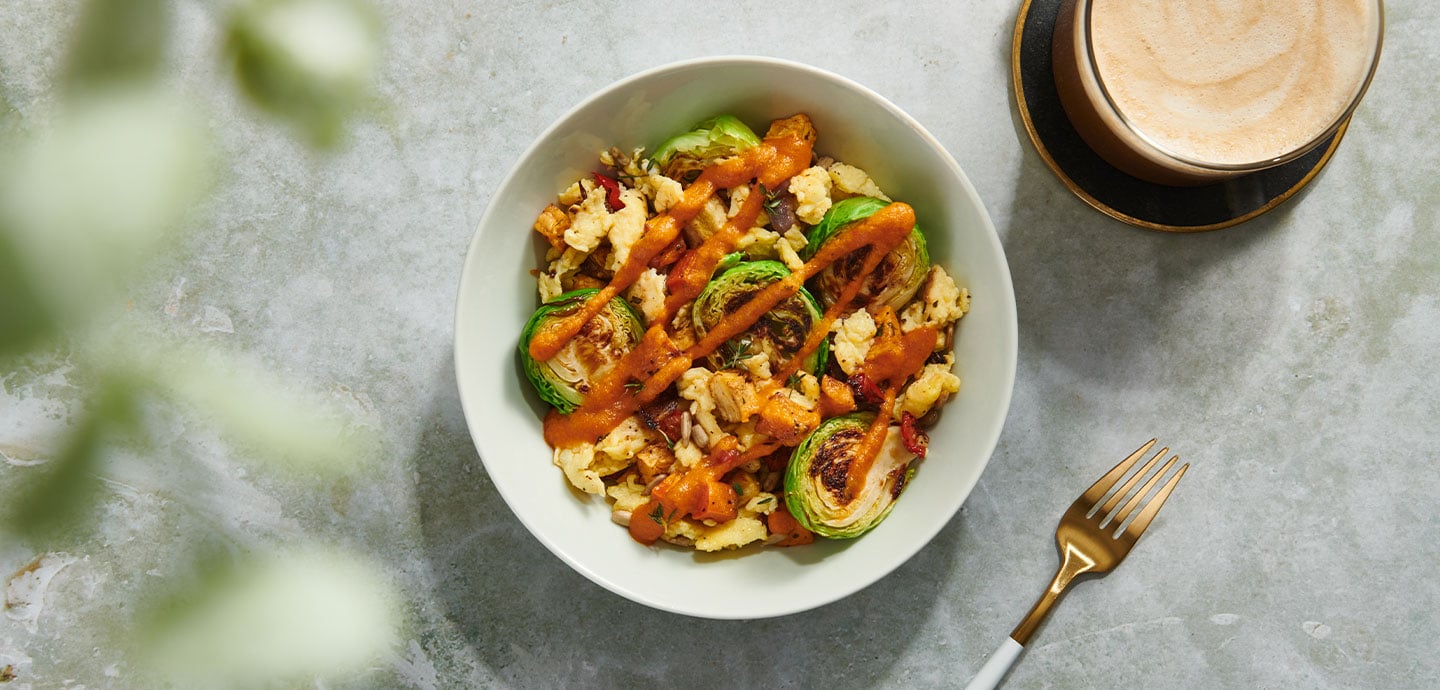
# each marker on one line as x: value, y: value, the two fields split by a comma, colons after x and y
x: 117, y: 40
x: 309, y: 61
x: 91, y: 188
x: 95, y: 189
x: 58, y: 495
x: 302, y: 611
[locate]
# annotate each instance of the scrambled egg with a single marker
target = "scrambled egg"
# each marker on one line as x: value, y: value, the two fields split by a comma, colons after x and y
x: 625, y: 441
x: 731, y: 535
x: 940, y: 303
x: 663, y: 191
x: 758, y: 365
x: 589, y: 226
x: 576, y: 462
x: 624, y: 227
x: 853, y: 337
x: 572, y: 195
x: 738, y: 195
x: 694, y: 385
x: 788, y: 248
x: 629, y: 494
x: 551, y: 283
x: 812, y: 194
x: 854, y: 181
x: 711, y: 218
x: 648, y: 295
x: 933, y: 384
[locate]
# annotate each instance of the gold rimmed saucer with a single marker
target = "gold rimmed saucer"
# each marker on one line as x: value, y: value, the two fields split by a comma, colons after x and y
x: 1114, y: 193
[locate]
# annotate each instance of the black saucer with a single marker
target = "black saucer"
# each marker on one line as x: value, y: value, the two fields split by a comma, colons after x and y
x: 1114, y: 193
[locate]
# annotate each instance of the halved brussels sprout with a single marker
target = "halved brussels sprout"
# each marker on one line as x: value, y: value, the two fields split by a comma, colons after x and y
x: 565, y: 379
x: 893, y: 282
x: 817, y: 477
x: 710, y: 140
x: 780, y: 333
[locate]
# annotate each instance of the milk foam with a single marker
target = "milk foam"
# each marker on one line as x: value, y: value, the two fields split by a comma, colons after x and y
x: 1233, y: 81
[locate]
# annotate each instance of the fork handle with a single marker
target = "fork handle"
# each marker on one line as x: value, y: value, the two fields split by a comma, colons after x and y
x: 1072, y: 563
x: 996, y: 666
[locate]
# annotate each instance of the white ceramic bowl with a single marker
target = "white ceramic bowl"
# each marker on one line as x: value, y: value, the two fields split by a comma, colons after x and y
x: 497, y: 294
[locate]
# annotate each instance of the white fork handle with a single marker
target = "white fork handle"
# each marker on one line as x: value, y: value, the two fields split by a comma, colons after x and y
x: 994, y: 669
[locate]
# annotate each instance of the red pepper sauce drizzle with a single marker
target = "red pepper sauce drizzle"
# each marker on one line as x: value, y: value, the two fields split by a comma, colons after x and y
x: 776, y: 159
x: 657, y: 362
x: 893, y: 358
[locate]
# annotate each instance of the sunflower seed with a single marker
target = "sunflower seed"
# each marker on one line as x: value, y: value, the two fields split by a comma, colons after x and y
x: 701, y: 438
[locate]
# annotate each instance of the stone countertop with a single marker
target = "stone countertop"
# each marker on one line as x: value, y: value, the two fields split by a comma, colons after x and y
x: 1291, y: 360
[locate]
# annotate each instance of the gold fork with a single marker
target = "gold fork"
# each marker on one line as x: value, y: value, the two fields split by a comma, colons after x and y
x: 1093, y: 538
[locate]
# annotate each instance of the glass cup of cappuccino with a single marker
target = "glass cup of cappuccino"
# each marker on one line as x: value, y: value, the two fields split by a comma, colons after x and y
x: 1192, y: 92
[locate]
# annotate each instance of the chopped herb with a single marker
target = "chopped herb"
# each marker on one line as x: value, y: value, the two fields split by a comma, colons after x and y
x: 793, y: 380
x: 772, y: 199
x: 739, y: 490
x: 634, y: 386
x: 736, y: 353
x: 766, y: 500
x: 668, y: 441
x: 658, y: 515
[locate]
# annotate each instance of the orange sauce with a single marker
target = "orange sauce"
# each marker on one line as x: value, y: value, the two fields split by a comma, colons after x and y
x: 773, y: 161
x: 694, y: 269
x: 893, y: 358
x: 649, y: 369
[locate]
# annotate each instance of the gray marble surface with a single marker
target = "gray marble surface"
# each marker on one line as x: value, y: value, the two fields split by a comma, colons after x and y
x: 1291, y: 360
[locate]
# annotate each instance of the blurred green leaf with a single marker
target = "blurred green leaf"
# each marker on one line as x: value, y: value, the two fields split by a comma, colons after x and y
x: 272, y: 418
x: 62, y: 494
x: 24, y: 320
x: 91, y: 194
x: 262, y: 618
x: 311, y: 62
x: 117, y: 40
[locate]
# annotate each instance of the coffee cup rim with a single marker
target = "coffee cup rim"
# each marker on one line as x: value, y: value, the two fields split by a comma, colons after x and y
x: 1085, y: 7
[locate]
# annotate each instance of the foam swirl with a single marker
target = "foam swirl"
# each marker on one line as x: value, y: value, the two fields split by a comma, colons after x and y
x: 1233, y: 81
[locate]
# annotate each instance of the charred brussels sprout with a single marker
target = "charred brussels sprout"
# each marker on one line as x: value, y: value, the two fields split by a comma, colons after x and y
x: 893, y: 282
x: 816, y: 479
x: 565, y: 379
x: 780, y: 333
x: 709, y: 141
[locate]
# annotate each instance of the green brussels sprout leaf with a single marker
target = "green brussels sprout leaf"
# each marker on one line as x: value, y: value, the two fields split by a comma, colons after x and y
x: 817, y: 476
x: 780, y: 333
x: 564, y: 380
x: 893, y: 282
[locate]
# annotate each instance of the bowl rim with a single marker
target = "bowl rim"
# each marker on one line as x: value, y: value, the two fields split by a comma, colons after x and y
x: 1009, y: 328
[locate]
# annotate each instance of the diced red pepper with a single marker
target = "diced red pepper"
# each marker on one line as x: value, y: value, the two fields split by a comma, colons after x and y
x: 915, y: 439
x: 865, y: 389
x: 612, y: 191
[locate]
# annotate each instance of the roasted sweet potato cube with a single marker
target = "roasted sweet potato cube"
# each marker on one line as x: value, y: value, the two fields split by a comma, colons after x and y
x: 552, y: 224
x: 836, y: 398
x: 785, y: 420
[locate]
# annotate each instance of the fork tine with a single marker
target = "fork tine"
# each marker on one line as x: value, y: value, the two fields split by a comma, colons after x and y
x: 1130, y: 483
x: 1141, y: 521
x: 1093, y: 494
x: 1145, y: 490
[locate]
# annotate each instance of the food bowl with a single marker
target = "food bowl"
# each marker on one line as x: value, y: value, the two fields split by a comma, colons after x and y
x: 497, y: 294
